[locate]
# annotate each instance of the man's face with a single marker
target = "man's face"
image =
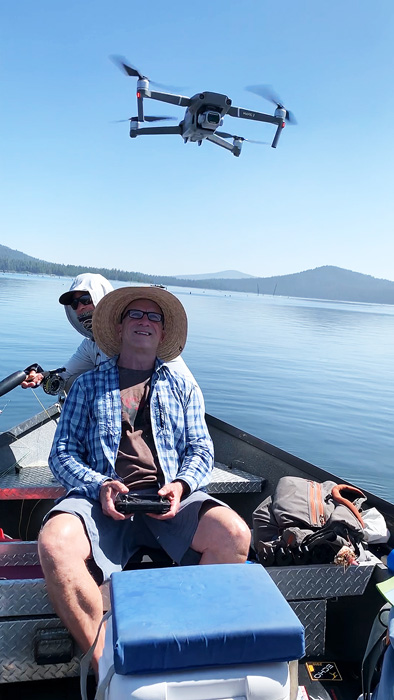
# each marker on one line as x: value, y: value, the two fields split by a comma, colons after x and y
x: 141, y: 333
x: 82, y: 309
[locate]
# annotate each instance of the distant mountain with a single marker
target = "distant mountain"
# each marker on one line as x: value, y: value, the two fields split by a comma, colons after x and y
x: 327, y: 282
x: 10, y: 254
x: 225, y: 274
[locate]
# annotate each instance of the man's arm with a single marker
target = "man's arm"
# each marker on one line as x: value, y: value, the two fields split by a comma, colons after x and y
x: 69, y: 453
x: 179, y: 366
x: 197, y: 463
x: 81, y: 361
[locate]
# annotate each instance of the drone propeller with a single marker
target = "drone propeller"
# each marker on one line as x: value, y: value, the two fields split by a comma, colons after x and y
x: 225, y: 135
x: 146, y: 119
x: 133, y: 72
x: 129, y: 70
x: 269, y: 94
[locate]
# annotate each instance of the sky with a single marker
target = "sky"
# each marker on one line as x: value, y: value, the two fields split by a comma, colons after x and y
x: 74, y: 188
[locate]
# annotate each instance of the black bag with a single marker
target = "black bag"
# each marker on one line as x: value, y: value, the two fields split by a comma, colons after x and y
x: 307, y: 522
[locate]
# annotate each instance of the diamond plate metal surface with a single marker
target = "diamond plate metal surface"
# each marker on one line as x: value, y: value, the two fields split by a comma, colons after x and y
x: 17, y: 661
x: 312, y: 614
x: 24, y: 598
x: 226, y: 479
x: 326, y: 581
x: 29, y: 598
x: 19, y: 554
x: 32, y: 482
x: 23, y: 605
x: 36, y: 482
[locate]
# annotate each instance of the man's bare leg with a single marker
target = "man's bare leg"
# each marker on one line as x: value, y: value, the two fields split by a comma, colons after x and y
x: 222, y: 536
x: 64, y: 548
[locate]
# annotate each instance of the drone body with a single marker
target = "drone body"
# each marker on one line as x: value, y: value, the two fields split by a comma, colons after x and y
x: 203, y: 116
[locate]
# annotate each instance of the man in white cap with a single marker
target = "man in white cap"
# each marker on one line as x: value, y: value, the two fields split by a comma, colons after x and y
x: 79, y: 302
x: 135, y: 423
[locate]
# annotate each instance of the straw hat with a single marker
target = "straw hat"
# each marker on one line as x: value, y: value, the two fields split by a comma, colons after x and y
x: 108, y: 312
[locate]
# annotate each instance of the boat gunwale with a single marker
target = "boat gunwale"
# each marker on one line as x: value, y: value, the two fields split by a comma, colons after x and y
x: 317, y: 473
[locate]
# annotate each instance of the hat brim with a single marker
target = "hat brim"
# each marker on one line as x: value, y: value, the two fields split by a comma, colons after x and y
x: 108, y: 312
x: 66, y: 298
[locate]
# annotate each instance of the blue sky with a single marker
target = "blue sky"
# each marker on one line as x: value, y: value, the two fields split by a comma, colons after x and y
x: 76, y: 189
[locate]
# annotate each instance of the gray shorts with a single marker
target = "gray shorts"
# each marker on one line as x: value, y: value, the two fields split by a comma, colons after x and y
x: 113, y: 542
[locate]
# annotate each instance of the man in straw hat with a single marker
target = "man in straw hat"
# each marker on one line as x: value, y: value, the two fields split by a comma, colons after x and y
x: 133, y: 423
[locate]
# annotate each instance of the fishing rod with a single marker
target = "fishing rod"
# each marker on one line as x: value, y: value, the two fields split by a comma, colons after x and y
x: 52, y: 383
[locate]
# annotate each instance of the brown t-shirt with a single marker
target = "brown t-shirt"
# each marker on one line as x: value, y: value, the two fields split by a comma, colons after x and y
x: 137, y: 463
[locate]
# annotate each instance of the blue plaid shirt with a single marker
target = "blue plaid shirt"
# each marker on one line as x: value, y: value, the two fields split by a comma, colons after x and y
x: 87, y: 438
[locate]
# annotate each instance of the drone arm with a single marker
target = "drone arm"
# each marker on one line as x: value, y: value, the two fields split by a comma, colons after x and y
x: 256, y: 116
x: 224, y: 144
x: 179, y: 100
x: 155, y: 130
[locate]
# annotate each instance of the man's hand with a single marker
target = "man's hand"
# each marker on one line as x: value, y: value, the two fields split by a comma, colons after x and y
x: 174, y: 492
x: 108, y: 493
x: 32, y: 380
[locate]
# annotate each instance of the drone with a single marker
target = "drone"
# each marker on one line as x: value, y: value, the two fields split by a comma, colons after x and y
x: 204, y: 113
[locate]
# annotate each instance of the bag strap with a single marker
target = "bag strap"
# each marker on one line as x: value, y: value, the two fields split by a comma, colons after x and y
x: 374, y: 649
x: 336, y: 494
x: 86, y: 661
x: 100, y: 692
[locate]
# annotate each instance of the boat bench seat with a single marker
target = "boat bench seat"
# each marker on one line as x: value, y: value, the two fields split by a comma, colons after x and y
x: 38, y: 482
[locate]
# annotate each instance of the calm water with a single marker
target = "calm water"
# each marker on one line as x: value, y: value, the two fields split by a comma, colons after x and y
x: 314, y: 378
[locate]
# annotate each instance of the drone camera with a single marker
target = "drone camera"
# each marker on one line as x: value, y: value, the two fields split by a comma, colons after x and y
x: 213, y: 118
x: 210, y: 120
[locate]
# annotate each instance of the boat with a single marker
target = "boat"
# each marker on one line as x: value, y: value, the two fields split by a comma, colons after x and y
x: 337, y: 605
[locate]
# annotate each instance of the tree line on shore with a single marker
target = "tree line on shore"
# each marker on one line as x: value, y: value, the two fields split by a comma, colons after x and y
x: 326, y: 282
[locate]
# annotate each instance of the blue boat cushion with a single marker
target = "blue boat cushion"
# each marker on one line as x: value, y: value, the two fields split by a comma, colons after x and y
x: 198, y: 616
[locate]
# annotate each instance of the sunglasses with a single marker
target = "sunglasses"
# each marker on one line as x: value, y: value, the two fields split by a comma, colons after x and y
x: 137, y: 314
x: 85, y: 299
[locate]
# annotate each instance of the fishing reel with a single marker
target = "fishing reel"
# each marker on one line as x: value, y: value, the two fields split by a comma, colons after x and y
x: 53, y: 383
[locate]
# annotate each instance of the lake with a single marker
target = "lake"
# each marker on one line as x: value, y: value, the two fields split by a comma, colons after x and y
x: 312, y: 377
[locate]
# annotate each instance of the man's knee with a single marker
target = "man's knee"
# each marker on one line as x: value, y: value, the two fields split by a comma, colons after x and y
x: 63, y: 537
x: 222, y: 530
x: 239, y: 532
